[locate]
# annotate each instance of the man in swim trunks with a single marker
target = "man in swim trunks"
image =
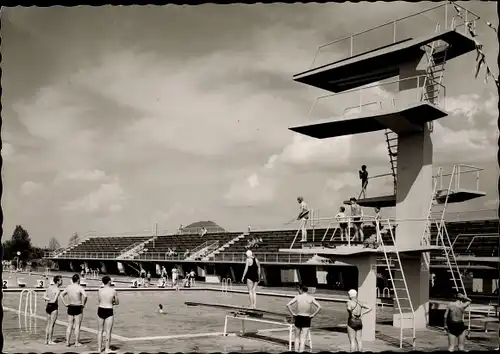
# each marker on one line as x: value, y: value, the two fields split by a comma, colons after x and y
x: 354, y: 323
x: 302, y: 316
x: 175, y: 278
x: 363, y: 176
x: 356, y: 217
x: 454, y: 322
x: 52, y: 296
x: 303, y: 217
x: 77, y: 300
x: 107, y: 298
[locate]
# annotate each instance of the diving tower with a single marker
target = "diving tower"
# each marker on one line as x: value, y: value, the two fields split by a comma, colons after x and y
x: 362, y: 102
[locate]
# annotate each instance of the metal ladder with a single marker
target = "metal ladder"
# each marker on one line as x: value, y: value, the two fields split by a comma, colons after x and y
x: 392, y: 148
x: 443, y: 240
x: 400, y: 287
x: 436, y: 60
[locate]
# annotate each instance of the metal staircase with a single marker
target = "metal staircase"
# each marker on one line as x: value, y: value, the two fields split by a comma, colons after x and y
x: 392, y: 148
x: 436, y: 59
x: 402, y: 297
x: 442, y: 237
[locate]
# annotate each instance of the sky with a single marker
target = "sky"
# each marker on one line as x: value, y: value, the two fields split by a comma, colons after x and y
x: 116, y: 118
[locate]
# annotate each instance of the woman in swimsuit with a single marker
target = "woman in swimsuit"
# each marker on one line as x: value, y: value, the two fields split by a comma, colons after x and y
x: 252, y: 277
x: 454, y: 322
x: 354, y: 323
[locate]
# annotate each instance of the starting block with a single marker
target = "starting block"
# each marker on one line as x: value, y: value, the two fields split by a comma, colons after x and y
x: 83, y: 283
x: 5, y: 284
x: 134, y: 284
x: 21, y: 283
x: 40, y: 284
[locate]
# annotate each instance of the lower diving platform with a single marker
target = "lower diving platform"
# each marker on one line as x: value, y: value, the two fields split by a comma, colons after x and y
x: 358, y: 251
x: 365, y: 68
x: 388, y: 201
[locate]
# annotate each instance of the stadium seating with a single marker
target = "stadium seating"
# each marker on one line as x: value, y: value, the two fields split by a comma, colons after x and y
x: 106, y: 244
x: 468, y: 237
x: 184, y: 242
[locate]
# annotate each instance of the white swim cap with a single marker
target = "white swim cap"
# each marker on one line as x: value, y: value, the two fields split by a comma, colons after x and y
x: 352, y: 293
x: 249, y: 253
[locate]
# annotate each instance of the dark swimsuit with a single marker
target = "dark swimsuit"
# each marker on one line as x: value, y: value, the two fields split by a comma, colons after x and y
x: 253, y: 272
x: 302, y: 321
x: 51, y: 307
x: 455, y: 328
x: 104, y: 312
x: 354, y: 321
x: 75, y: 310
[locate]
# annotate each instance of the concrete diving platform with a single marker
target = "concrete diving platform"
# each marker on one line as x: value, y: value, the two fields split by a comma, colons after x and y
x: 385, y: 201
x: 458, y: 195
x: 358, y: 251
x: 381, y: 63
x: 401, y: 121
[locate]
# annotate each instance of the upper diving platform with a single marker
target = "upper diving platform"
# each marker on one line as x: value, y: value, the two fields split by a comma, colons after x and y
x: 385, y: 201
x: 382, y: 63
x: 376, y: 54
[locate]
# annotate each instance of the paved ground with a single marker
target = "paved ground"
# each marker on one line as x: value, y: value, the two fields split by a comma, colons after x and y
x: 139, y: 328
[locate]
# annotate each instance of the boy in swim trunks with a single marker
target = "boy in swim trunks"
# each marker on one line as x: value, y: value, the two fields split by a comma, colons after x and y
x: 303, y: 316
x: 52, y: 296
x: 454, y: 322
x: 77, y: 300
x: 107, y: 298
x: 354, y: 323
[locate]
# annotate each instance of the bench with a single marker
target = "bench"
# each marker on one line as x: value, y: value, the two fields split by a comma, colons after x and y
x: 243, y: 316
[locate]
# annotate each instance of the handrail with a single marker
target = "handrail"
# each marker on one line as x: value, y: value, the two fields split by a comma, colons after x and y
x: 419, y: 90
x: 473, y: 234
x: 480, y: 236
x: 394, y: 25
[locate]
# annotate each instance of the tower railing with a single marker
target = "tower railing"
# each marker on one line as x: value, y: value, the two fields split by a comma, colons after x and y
x: 389, y: 33
x: 376, y: 96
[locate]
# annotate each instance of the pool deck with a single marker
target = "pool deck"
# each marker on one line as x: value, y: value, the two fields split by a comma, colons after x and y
x: 18, y: 336
x: 334, y: 339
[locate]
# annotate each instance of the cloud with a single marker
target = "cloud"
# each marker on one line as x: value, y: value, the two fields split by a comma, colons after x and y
x: 7, y: 150
x: 106, y: 198
x: 82, y: 176
x: 251, y: 191
x: 30, y: 187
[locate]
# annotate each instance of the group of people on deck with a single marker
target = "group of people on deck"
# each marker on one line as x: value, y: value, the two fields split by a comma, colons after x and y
x: 355, y: 219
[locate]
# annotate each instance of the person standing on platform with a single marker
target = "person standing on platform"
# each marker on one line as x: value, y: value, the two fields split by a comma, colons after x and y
x: 454, y: 322
x: 303, y: 217
x: 357, y: 216
x: 354, y: 322
x: 303, y: 316
x: 340, y: 217
x: 251, y: 275
x: 363, y: 176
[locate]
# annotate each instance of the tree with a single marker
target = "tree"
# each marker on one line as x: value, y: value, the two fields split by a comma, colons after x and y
x: 21, y: 241
x: 73, y: 239
x: 54, y: 244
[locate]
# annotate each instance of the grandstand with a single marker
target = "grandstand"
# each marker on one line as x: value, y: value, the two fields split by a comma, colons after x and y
x: 477, y: 238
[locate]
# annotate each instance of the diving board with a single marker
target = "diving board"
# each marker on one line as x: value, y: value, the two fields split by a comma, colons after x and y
x: 410, y: 119
x: 247, y: 310
x: 384, y: 201
x: 382, y: 63
x: 458, y: 195
x: 244, y: 314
